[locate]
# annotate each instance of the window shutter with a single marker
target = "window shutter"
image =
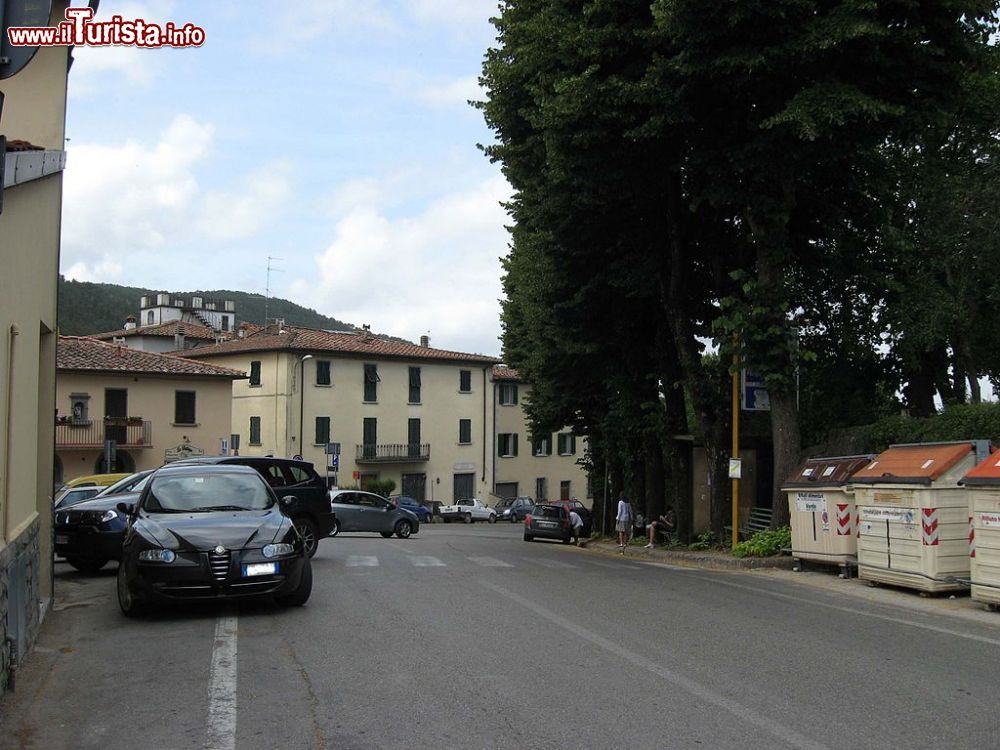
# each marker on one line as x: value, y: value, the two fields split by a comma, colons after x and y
x: 513, y: 447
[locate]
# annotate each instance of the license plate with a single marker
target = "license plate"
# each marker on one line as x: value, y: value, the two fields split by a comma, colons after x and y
x: 260, y: 569
x: 62, y: 539
x: 547, y: 525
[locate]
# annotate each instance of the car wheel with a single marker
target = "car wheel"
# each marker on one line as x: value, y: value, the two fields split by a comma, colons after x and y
x: 403, y: 529
x: 127, y: 601
x: 513, y: 517
x: 308, y: 533
x: 468, y: 518
x: 385, y: 534
x: 529, y: 538
x: 493, y: 518
x: 301, y: 594
x: 335, y: 529
x: 85, y: 565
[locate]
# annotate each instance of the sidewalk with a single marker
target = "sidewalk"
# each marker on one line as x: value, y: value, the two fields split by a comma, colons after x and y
x: 710, y: 559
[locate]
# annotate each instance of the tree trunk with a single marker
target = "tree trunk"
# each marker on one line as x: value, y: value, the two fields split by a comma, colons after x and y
x: 787, y: 450
x: 652, y: 505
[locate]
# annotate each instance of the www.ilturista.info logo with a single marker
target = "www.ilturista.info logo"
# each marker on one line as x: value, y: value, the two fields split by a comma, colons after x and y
x: 79, y: 28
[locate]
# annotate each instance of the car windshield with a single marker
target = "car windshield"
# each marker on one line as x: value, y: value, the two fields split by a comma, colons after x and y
x: 75, y: 495
x: 206, y: 493
x: 548, y: 511
x: 128, y: 484
x: 505, y: 503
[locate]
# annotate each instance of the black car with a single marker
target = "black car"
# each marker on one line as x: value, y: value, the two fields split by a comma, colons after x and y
x: 310, y: 511
x: 90, y: 533
x: 210, y: 532
x: 548, y: 521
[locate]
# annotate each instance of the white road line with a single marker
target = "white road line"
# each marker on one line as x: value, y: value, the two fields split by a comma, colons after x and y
x: 555, y: 564
x: 424, y: 561
x: 222, y: 688
x: 362, y: 561
x: 490, y: 562
x: 788, y: 736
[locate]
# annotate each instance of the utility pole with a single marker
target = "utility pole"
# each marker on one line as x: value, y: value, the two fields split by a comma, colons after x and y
x: 267, y: 288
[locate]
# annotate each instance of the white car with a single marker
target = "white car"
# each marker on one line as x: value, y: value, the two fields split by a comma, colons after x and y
x: 468, y: 511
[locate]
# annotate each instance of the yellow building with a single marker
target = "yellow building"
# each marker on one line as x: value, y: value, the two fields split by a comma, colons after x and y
x: 543, y: 467
x: 154, y: 407
x: 32, y: 120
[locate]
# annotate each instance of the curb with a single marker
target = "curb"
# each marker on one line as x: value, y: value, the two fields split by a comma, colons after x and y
x: 711, y: 561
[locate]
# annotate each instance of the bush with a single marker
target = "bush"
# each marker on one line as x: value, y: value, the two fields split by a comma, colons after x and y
x: 704, y: 541
x: 383, y: 487
x: 961, y: 422
x: 765, y: 543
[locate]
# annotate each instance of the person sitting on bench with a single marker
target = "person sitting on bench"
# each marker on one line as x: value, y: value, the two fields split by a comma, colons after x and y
x: 665, y: 524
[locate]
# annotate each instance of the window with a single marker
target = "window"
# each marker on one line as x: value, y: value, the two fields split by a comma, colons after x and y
x: 322, y: 372
x: 149, y: 318
x: 508, y: 394
x: 254, y: 430
x: 465, y: 431
x: 564, y: 490
x: 414, y: 385
x: 543, y: 446
x: 567, y: 444
x: 225, y: 322
x: 255, y: 372
x: 507, y: 444
x: 465, y: 381
x: 369, y: 432
x: 371, y: 382
x: 463, y: 487
x: 413, y: 437
x: 322, y: 430
x: 184, y: 407
x: 541, y: 490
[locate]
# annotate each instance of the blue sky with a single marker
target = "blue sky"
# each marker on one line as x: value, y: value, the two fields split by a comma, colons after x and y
x: 334, y: 135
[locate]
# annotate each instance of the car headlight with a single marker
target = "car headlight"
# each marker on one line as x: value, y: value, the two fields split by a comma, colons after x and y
x: 276, y: 550
x: 108, y: 515
x: 157, y: 555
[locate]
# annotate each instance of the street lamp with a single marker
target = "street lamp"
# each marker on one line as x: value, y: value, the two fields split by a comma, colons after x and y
x: 302, y: 401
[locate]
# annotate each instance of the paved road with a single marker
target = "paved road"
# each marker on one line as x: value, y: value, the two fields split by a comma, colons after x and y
x: 467, y: 637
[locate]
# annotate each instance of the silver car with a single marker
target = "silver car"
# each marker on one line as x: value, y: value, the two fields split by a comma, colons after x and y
x: 366, y: 511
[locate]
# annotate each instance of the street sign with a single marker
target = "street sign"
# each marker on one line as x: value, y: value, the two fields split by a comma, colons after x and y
x: 333, y: 449
x: 356, y: 475
x: 735, y: 468
x: 223, y: 447
x: 110, y: 454
x: 335, y: 460
x: 754, y: 392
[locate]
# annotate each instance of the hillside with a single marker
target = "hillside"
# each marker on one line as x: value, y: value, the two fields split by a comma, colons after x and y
x: 86, y: 308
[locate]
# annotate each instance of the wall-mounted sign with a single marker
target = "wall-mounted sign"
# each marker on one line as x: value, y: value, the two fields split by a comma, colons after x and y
x: 182, y: 451
x: 735, y: 468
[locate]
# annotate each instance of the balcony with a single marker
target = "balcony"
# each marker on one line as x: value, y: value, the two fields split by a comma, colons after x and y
x: 127, y: 433
x: 393, y: 453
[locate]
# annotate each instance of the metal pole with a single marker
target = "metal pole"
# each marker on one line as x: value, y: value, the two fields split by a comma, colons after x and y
x: 302, y: 404
x: 736, y: 446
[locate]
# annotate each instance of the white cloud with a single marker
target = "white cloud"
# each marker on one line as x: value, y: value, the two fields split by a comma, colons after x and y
x: 306, y: 20
x: 438, y: 270
x: 451, y: 12
x: 456, y: 92
x: 134, y: 199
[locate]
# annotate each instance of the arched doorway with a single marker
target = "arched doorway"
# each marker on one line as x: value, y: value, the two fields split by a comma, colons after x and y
x: 123, y: 464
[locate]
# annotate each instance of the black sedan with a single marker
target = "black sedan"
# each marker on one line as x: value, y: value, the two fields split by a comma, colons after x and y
x: 210, y: 532
x: 548, y: 522
x: 90, y: 533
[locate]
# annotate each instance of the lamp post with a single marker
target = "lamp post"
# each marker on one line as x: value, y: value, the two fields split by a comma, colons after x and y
x: 302, y: 402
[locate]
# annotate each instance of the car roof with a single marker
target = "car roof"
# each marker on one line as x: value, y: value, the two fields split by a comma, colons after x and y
x: 178, y: 469
x: 241, y: 460
x: 101, y: 480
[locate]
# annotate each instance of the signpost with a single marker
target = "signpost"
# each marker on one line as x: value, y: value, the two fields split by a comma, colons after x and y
x: 110, y: 455
x: 333, y: 462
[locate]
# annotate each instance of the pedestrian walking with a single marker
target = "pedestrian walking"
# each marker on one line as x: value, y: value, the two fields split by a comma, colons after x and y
x: 623, y: 522
x: 577, y: 523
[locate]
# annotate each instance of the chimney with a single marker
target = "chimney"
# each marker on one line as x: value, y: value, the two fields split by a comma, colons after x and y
x: 425, y: 341
x: 130, y: 322
x: 366, y: 332
x: 178, y: 338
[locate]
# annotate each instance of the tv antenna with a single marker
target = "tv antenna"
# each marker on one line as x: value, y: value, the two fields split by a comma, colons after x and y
x: 267, y: 289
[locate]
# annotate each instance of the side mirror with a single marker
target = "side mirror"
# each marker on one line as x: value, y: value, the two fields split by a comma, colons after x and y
x: 286, y: 502
x: 127, y: 508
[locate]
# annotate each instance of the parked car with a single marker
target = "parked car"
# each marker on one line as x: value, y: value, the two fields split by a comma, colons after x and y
x: 90, y: 533
x: 548, y: 521
x: 366, y: 511
x: 210, y: 532
x: 422, y: 512
x: 131, y: 483
x: 582, y: 510
x: 514, y: 509
x: 98, y: 480
x: 469, y: 511
x: 72, y: 495
x: 310, y: 512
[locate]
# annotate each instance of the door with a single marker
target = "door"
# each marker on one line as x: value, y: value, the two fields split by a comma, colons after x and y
x: 564, y: 490
x: 413, y: 438
x: 464, y: 486
x: 115, y: 414
x: 506, y: 490
x: 345, y: 506
x: 375, y: 513
x: 415, y: 486
x: 369, y: 437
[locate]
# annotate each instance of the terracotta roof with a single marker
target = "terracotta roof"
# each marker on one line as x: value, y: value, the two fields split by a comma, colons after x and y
x: 922, y: 464
x: 503, y: 372
x: 295, y: 339
x: 79, y: 353
x: 19, y: 145
x: 190, y: 330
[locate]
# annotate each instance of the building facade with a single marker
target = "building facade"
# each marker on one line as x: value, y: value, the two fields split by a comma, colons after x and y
x: 32, y: 120
x: 154, y: 407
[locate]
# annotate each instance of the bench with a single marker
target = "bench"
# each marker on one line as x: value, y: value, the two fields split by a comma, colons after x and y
x: 759, y: 520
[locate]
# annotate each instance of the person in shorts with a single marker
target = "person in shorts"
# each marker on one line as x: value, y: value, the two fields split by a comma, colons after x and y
x: 666, y: 524
x: 623, y: 520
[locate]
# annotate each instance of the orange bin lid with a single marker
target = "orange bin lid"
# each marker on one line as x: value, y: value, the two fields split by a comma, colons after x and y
x: 920, y: 464
x: 827, y: 472
x: 986, y: 472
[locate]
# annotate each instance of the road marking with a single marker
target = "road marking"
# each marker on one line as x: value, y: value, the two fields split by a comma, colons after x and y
x: 362, y: 561
x: 424, y: 561
x: 551, y: 564
x: 222, y: 688
x: 789, y: 737
x: 490, y: 562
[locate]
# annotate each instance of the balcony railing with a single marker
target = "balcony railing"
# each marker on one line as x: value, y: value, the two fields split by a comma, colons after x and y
x: 399, y: 453
x: 127, y: 433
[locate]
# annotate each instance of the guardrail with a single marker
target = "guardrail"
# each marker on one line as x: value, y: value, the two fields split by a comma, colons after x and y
x: 392, y: 453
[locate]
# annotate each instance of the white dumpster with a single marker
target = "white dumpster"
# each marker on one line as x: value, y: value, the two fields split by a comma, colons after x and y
x: 983, y: 484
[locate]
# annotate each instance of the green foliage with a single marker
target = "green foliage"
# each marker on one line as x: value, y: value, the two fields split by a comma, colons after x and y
x: 705, y: 541
x: 383, y: 487
x: 963, y: 422
x: 765, y: 543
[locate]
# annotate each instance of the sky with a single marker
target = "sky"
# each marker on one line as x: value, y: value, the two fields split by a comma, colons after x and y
x: 331, y: 135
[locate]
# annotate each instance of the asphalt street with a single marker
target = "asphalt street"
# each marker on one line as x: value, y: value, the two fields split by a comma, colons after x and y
x: 468, y: 637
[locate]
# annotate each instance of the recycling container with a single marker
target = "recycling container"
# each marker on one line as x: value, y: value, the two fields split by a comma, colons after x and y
x: 913, y: 517
x: 821, y: 507
x: 983, y: 485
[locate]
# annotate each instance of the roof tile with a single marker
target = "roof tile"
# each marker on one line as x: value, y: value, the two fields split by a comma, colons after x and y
x: 80, y: 353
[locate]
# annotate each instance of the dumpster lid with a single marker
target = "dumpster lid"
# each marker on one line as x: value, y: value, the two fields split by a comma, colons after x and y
x: 984, y: 473
x: 919, y: 464
x: 829, y: 471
